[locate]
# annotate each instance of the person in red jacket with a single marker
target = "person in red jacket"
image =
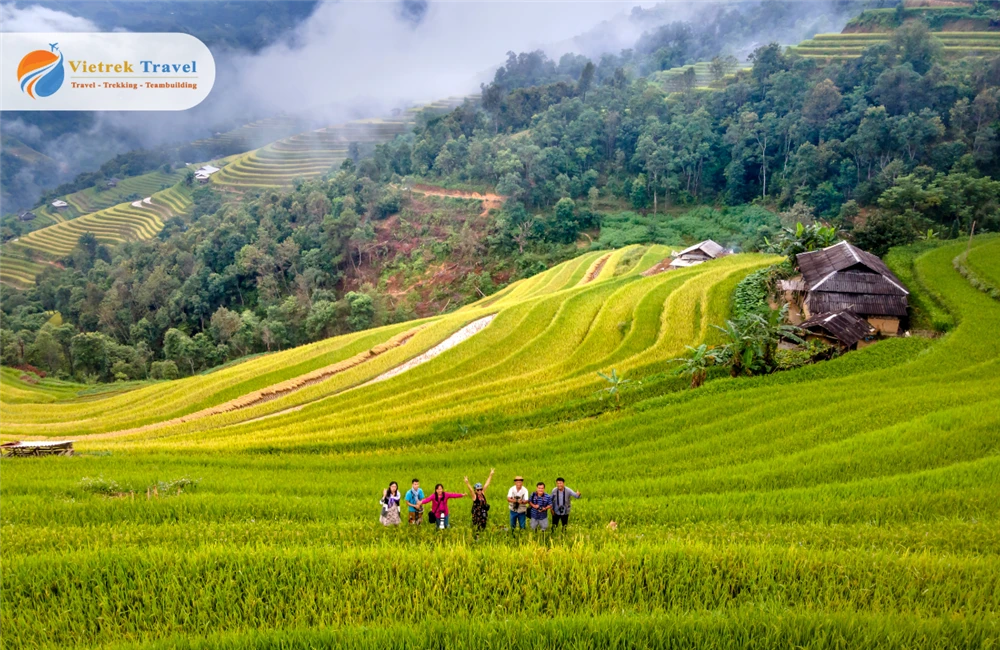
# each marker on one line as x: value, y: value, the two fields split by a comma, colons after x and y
x: 439, y: 505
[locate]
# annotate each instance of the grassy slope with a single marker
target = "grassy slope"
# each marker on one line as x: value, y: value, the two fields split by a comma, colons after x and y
x: 848, y: 504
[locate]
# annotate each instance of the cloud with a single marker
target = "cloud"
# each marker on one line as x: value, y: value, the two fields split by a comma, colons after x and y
x: 41, y: 19
x: 350, y: 55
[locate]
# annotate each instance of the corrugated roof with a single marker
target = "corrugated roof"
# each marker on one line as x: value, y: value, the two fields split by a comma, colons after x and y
x: 709, y: 247
x: 819, y: 266
x: 845, y: 326
x: 865, y: 304
x: 860, y: 282
x: 843, y: 276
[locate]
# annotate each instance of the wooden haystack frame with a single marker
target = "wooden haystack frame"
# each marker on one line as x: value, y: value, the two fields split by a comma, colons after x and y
x: 843, y: 328
x: 38, y: 448
x: 843, y: 277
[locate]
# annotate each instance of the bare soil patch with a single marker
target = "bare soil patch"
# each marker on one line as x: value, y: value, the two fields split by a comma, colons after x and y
x: 596, y: 271
x: 490, y: 201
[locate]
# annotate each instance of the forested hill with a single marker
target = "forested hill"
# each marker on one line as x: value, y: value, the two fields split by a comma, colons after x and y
x: 896, y: 144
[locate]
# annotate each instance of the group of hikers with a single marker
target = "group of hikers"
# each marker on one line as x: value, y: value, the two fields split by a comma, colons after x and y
x: 533, y: 507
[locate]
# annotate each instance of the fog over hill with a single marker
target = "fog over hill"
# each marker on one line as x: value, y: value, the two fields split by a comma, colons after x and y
x: 343, y: 61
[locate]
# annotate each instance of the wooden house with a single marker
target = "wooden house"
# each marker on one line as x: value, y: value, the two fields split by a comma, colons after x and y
x: 25, y: 215
x: 111, y: 183
x: 842, y: 278
x: 697, y: 254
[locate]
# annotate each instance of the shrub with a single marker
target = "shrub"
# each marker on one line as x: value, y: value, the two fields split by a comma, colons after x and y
x: 163, y: 370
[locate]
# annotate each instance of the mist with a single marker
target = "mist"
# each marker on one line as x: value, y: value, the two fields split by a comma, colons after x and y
x: 361, y: 59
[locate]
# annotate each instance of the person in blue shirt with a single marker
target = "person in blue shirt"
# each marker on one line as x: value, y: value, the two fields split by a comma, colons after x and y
x: 413, y: 498
x: 540, y: 504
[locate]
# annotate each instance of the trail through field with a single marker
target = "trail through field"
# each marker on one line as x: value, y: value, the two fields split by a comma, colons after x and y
x: 469, y: 330
x: 596, y: 271
x: 461, y: 335
x: 269, y: 393
x: 489, y: 200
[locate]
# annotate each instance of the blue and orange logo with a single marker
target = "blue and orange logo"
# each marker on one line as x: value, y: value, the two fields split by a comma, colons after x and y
x: 41, y: 72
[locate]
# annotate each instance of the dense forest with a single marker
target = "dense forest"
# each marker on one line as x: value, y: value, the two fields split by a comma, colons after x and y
x: 888, y: 148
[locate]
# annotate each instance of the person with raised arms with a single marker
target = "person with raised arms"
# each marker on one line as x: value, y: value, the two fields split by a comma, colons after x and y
x: 480, y: 507
x: 439, y: 505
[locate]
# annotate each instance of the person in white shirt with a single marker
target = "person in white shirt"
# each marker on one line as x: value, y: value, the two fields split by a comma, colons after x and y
x: 517, y: 498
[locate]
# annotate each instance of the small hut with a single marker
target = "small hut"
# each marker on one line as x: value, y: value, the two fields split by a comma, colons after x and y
x: 112, y: 182
x: 38, y: 448
x: 59, y: 204
x: 204, y: 174
x: 844, y: 329
x: 25, y: 215
x: 697, y: 254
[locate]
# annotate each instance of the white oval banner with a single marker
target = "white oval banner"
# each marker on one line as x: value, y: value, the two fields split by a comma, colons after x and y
x: 110, y: 71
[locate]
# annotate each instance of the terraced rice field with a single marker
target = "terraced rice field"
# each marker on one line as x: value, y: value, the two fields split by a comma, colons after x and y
x: 849, y: 46
x: 853, y: 503
x: 252, y: 135
x: 90, y: 200
x: 124, y: 222
x: 314, y: 153
x: 672, y: 80
x: 305, y: 155
x: 19, y: 265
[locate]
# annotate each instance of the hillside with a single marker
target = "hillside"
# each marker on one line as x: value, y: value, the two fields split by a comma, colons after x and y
x: 803, y: 507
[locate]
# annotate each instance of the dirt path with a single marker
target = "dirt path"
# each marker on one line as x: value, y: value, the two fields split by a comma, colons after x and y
x: 596, y: 271
x: 469, y: 330
x: 450, y: 342
x: 270, y: 392
x: 489, y: 200
x: 660, y: 267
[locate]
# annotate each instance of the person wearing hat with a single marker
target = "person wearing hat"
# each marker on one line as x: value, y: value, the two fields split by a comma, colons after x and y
x: 517, y: 497
x: 480, y: 507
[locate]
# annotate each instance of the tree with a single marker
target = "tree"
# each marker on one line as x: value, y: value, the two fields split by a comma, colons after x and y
x: 90, y: 353
x: 46, y: 350
x: 10, y: 348
x: 695, y: 364
x: 752, y: 340
x: 759, y: 132
x: 492, y: 98
x: 689, y: 79
x: 322, y: 319
x: 225, y: 324
x: 361, y: 311
x: 883, y: 230
x: 916, y: 45
x: 821, y: 102
x: 178, y: 347
x: 803, y: 238
x: 585, y: 80
x: 163, y: 370
x: 720, y: 66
